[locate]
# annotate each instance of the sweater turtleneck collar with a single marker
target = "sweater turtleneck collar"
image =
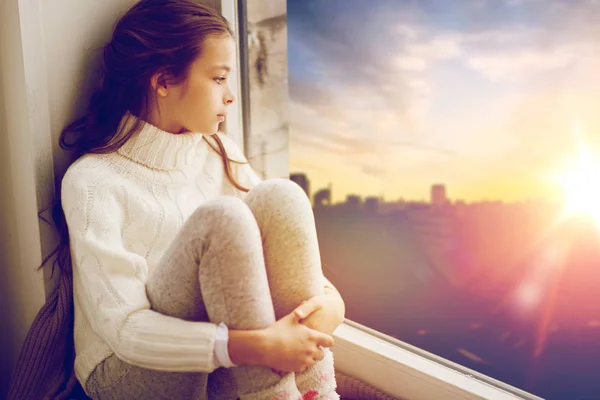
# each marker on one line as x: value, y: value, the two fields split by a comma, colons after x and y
x: 158, y: 149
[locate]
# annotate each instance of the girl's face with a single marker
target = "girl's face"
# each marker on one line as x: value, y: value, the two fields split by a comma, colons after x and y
x: 199, y: 103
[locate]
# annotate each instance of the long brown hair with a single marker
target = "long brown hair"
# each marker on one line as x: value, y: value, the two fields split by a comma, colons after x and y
x: 154, y: 36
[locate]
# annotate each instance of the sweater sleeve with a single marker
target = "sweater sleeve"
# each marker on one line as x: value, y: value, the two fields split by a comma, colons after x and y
x: 109, y: 288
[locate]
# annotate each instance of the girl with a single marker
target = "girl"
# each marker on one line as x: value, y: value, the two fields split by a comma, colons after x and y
x: 189, y: 273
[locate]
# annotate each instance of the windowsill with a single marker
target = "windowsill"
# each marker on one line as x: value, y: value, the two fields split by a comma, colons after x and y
x: 410, y: 373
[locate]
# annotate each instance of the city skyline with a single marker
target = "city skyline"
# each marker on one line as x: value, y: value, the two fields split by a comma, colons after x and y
x: 490, y: 98
x: 304, y: 181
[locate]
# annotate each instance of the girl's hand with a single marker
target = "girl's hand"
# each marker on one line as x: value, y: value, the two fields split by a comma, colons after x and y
x: 292, y: 346
x: 322, y: 312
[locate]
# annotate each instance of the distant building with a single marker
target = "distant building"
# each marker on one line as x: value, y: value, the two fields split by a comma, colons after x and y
x: 322, y: 197
x: 438, y: 195
x: 372, y: 204
x: 303, y: 181
x: 385, y: 207
x: 353, y: 202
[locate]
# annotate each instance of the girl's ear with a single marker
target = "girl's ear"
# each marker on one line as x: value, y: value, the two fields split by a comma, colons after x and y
x: 159, y: 84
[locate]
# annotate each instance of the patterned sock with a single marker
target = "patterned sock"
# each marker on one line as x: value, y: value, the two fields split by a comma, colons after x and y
x: 318, y: 382
x: 285, y: 389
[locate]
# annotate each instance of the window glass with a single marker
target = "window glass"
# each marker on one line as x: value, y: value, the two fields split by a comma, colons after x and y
x: 451, y: 150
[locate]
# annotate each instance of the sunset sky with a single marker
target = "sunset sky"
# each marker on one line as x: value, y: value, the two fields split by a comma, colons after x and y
x: 489, y: 97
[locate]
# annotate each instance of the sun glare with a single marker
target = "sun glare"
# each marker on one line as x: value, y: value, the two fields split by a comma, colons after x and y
x: 581, y: 186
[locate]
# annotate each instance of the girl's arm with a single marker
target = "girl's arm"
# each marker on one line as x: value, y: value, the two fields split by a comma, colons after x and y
x: 286, y: 345
x: 325, y: 312
x: 337, y: 303
x: 109, y: 287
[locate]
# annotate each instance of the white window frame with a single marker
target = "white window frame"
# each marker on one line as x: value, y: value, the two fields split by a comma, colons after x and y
x: 407, y: 372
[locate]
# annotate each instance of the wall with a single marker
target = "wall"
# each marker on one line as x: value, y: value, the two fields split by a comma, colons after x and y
x: 21, y: 288
x: 49, y: 59
x: 47, y: 62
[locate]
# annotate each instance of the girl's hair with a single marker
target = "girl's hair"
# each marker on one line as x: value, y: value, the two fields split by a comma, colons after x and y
x: 154, y: 36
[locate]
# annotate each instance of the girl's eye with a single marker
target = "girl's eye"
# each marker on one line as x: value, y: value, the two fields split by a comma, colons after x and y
x: 219, y: 80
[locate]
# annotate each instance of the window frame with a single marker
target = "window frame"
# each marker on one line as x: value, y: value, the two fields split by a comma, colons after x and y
x: 238, y: 118
x: 408, y: 372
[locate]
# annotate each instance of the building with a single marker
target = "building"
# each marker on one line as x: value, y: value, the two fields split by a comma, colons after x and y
x: 322, y: 197
x: 353, y: 202
x: 438, y: 195
x: 302, y: 181
x: 372, y: 204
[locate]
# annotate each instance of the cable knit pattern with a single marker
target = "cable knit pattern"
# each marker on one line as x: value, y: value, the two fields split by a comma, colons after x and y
x: 123, y: 209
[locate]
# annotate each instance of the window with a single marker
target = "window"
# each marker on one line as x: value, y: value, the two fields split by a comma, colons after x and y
x: 233, y: 126
x: 451, y: 153
x: 263, y: 29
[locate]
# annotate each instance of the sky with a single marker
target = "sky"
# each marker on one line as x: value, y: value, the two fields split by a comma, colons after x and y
x: 489, y: 97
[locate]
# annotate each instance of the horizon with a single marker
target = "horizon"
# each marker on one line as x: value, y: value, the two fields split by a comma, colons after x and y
x: 424, y: 199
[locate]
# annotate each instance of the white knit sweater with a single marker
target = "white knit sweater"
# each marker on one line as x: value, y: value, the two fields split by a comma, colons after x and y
x: 123, y: 209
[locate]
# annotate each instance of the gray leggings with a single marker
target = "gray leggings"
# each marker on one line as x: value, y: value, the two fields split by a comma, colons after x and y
x: 246, y: 263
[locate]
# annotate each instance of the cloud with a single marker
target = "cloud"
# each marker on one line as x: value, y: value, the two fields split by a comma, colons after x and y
x: 411, y: 63
x: 419, y: 86
x: 368, y: 88
x: 407, y: 31
x: 416, y: 55
x: 391, y: 90
x: 438, y: 47
x: 377, y: 170
x: 353, y: 133
x: 502, y: 37
x: 520, y: 63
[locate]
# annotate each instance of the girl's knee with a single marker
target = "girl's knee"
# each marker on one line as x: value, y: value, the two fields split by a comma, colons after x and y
x: 278, y: 190
x: 223, y: 210
x: 280, y: 202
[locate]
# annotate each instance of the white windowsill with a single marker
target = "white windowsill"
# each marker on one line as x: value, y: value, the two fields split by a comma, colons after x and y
x: 402, y: 373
